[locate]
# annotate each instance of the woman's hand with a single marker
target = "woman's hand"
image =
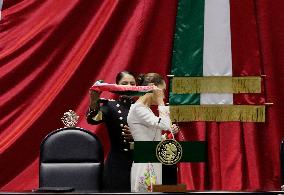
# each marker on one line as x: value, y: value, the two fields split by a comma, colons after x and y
x: 174, y: 129
x: 126, y: 133
x: 158, y: 95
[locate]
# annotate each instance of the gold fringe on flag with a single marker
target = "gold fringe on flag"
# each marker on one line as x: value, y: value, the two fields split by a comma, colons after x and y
x: 216, y: 84
x: 218, y: 113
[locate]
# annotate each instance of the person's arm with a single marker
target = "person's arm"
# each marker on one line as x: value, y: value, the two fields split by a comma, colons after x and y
x: 94, y: 114
x: 148, y: 118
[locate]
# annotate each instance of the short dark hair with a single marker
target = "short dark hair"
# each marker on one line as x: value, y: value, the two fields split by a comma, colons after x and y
x: 122, y: 74
x: 146, y: 79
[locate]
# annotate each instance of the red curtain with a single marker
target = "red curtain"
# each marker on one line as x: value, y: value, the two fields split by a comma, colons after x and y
x: 52, y: 51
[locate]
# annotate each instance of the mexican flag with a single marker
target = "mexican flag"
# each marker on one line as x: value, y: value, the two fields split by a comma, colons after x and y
x: 216, y: 74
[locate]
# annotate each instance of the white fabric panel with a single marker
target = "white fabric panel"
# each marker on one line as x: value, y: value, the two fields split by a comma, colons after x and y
x: 217, y: 55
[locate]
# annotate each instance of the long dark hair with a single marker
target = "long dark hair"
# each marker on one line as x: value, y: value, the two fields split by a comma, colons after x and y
x: 121, y: 74
x: 146, y: 79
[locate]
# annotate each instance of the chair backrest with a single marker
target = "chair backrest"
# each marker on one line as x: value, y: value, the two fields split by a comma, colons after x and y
x: 282, y: 162
x: 71, y: 157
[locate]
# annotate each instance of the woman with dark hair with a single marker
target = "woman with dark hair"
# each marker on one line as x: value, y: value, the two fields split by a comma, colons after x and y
x: 146, y: 126
x: 113, y: 113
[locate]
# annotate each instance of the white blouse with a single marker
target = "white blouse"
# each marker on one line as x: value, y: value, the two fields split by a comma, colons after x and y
x: 145, y: 125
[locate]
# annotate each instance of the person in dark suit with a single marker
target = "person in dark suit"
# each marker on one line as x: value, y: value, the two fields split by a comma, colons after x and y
x: 113, y: 113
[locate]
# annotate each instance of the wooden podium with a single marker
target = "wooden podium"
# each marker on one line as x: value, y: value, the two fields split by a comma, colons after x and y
x: 169, y: 188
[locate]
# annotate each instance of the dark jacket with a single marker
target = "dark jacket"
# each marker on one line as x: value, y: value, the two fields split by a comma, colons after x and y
x: 113, y: 113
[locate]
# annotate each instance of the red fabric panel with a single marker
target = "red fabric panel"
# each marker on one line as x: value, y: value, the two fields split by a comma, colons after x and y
x: 246, y: 56
x: 271, y: 29
x: 251, y: 24
x: 244, y: 35
x: 52, y: 52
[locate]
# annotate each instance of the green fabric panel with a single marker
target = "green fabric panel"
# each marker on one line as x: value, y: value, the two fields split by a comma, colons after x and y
x: 183, y: 99
x: 193, y: 151
x: 187, y: 57
x: 188, y: 41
